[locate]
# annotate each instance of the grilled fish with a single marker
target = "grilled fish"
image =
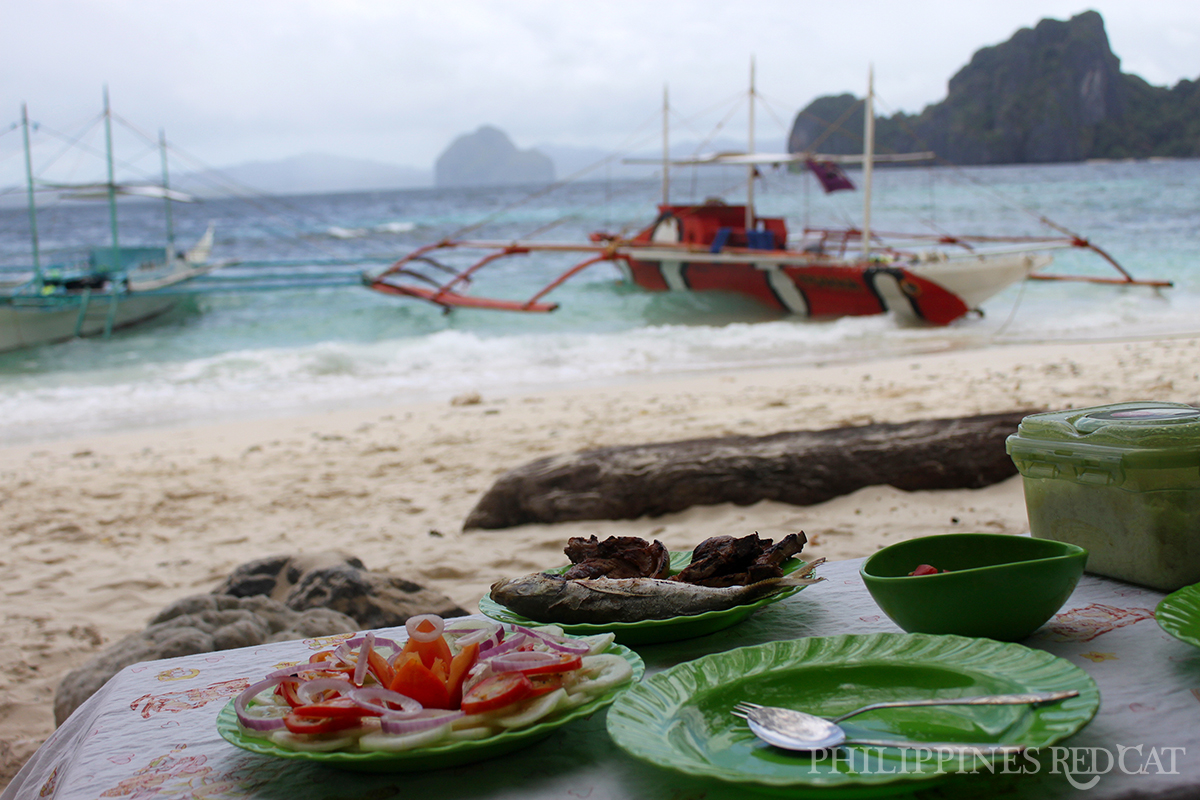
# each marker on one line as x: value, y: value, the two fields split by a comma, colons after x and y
x: 552, y: 598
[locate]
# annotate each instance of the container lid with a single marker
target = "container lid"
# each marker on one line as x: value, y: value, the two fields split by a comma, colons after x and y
x: 1145, y: 435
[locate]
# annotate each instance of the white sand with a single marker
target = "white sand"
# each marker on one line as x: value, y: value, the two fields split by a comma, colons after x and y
x: 100, y: 533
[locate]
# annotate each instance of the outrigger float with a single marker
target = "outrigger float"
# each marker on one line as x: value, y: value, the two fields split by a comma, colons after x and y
x: 932, y: 279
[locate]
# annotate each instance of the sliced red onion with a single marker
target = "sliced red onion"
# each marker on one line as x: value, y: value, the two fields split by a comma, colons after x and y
x: 308, y: 691
x: 560, y: 643
x: 510, y: 643
x: 380, y: 641
x: 413, y: 624
x: 364, y: 656
x: 477, y: 674
x: 299, y: 668
x: 241, y: 702
x: 342, y: 652
x: 428, y: 719
x: 377, y: 699
x: 571, y: 648
x: 524, y: 659
x: 475, y: 632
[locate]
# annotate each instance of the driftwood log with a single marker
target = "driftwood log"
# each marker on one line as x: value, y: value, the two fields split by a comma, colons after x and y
x: 799, y: 467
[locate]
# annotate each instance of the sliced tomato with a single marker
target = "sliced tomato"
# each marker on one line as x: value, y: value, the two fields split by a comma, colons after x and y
x: 299, y: 724
x: 379, y: 666
x: 566, y: 663
x: 402, y: 659
x: 417, y: 681
x: 497, y: 691
x: 335, y: 670
x: 429, y: 651
x: 287, y: 690
x: 335, y: 707
x: 544, y: 684
x: 459, y: 666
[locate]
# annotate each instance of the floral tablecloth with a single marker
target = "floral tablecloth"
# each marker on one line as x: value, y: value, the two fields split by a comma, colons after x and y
x: 150, y: 733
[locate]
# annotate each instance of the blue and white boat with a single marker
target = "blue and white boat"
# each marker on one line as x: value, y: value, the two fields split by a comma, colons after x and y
x: 109, y: 287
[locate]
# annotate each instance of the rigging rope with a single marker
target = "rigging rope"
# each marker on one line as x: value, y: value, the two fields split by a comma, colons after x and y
x: 1012, y: 314
x: 982, y: 186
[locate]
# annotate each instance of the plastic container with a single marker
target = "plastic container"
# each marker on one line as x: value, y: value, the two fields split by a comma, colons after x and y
x: 1122, y: 481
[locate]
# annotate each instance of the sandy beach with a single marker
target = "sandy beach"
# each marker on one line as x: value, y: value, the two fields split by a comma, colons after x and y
x: 99, y: 533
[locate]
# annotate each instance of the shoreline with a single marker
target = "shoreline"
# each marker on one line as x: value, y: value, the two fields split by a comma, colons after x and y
x: 78, y: 426
x: 103, y: 531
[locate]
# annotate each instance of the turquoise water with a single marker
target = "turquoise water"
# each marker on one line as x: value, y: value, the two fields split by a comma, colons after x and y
x: 225, y: 356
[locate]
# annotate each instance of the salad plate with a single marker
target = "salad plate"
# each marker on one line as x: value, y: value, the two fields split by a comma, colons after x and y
x: 435, y: 756
x: 680, y: 718
x: 1179, y: 614
x: 654, y: 631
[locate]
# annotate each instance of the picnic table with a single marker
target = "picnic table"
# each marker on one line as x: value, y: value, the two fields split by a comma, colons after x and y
x: 150, y: 732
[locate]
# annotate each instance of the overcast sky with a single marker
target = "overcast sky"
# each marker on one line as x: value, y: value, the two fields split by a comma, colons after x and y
x: 396, y: 80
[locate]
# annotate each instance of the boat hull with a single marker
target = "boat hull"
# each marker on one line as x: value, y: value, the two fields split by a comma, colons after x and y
x: 935, y: 292
x: 24, y: 325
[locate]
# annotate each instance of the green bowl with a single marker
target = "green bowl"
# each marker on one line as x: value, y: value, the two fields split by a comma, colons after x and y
x: 999, y: 586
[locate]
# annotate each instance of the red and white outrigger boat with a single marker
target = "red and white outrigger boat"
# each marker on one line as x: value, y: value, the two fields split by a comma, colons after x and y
x: 932, y: 279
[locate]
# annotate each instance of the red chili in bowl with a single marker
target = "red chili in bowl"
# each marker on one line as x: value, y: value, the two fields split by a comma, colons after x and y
x: 925, y: 569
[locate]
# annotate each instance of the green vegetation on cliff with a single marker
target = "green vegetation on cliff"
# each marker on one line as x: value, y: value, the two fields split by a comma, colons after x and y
x: 1051, y: 93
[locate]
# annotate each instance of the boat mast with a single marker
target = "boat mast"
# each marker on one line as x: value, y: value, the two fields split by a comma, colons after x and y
x: 868, y: 159
x: 750, y: 149
x: 33, y: 231
x: 666, y: 167
x: 112, y: 184
x: 162, y: 146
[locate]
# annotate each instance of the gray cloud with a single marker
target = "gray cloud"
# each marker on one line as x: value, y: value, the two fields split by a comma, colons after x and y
x: 240, y: 80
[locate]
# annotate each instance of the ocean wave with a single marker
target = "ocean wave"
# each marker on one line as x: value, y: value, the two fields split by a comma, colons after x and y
x: 395, y: 227
x: 339, y: 232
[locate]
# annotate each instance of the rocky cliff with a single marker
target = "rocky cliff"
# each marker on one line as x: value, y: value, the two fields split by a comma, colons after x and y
x: 486, y: 158
x: 1051, y: 93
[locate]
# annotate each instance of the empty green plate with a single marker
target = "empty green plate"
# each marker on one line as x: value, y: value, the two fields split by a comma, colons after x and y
x: 680, y: 718
x: 1179, y: 614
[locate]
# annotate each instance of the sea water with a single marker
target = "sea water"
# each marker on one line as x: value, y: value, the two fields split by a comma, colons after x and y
x: 226, y: 356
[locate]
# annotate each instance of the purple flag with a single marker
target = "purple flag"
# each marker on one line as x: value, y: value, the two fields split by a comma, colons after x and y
x: 830, y: 175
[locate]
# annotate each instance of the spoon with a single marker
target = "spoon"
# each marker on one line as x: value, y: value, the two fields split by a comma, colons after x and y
x: 796, y: 730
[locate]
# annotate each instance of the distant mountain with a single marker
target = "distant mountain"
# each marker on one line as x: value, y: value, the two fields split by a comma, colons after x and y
x: 305, y: 174
x: 1052, y: 93
x: 488, y: 157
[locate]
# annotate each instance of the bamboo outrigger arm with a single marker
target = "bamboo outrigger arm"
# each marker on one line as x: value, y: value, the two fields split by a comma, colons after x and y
x: 400, y: 279
x: 1125, y: 280
x: 447, y: 294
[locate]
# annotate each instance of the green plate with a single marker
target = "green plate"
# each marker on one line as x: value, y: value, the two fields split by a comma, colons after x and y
x: 1179, y: 614
x: 654, y: 631
x: 680, y: 718
x: 438, y: 756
